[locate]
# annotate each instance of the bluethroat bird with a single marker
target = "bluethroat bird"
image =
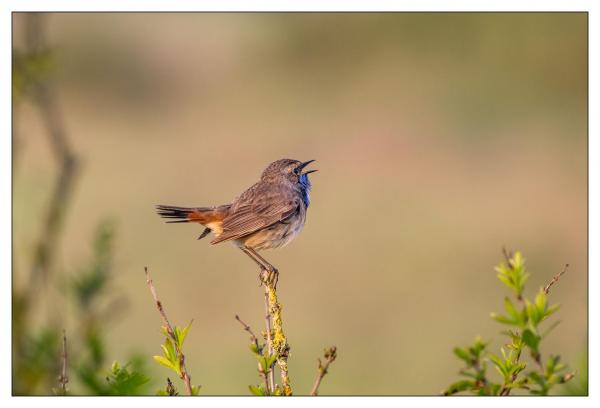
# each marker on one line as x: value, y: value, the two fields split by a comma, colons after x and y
x: 267, y: 215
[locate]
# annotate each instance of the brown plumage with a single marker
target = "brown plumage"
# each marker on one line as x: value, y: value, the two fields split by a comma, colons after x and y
x: 267, y: 215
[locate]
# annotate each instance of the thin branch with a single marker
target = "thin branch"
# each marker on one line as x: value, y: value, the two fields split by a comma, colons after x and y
x: 555, y: 279
x: 330, y: 356
x: 185, y: 376
x: 63, y: 379
x: 507, y: 256
x: 44, y: 96
x: 254, y: 340
x: 280, y: 344
x: 269, y: 339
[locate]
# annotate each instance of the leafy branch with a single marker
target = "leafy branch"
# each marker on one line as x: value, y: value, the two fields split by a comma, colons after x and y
x: 173, y: 357
x: 266, y: 361
x: 524, y: 317
x: 276, y: 350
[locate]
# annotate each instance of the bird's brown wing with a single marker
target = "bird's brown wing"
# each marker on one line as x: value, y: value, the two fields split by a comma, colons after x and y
x: 258, y: 207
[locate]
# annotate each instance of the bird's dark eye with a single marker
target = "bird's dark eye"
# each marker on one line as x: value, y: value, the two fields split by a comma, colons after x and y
x: 297, y: 171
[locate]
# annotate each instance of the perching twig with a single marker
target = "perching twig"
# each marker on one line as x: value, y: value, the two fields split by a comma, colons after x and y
x: 555, y: 279
x: 184, y: 374
x: 63, y: 379
x: 254, y: 340
x: 330, y: 355
x: 271, y: 375
x: 280, y: 344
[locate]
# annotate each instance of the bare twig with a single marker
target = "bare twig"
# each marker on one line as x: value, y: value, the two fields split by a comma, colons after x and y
x: 330, y: 356
x: 555, y: 279
x: 63, y: 379
x: 254, y: 340
x: 185, y: 376
x: 507, y: 256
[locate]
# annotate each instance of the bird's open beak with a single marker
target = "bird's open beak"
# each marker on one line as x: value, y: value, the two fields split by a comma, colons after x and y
x: 303, y: 165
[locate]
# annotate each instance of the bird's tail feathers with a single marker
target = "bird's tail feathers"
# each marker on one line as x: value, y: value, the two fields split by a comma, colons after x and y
x: 210, y: 217
x: 179, y: 214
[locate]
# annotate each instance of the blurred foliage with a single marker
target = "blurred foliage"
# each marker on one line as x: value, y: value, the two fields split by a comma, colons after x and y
x: 36, y: 359
x: 37, y: 355
x: 29, y: 68
x: 579, y: 384
x: 524, y: 318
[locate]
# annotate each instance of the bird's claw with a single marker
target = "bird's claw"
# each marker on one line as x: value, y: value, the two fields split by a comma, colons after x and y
x: 269, y: 276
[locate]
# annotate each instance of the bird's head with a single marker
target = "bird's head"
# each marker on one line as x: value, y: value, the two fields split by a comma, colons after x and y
x: 290, y: 170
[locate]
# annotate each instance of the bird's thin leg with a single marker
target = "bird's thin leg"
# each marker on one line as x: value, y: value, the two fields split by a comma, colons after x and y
x: 264, y: 269
x: 255, y: 259
x: 273, y: 273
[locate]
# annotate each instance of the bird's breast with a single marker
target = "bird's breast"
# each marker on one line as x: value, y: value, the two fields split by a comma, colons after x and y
x: 277, y: 235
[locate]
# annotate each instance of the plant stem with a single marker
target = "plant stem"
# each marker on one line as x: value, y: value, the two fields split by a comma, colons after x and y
x: 254, y: 340
x: 63, y: 379
x: 280, y: 344
x: 271, y: 374
x: 185, y: 376
x: 330, y: 356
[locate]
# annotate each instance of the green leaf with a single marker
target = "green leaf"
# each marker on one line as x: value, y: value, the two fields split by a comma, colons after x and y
x: 463, y: 354
x: 271, y: 360
x: 184, y: 333
x: 478, y: 347
x: 551, y: 364
x: 531, y: 339
x: 512, y: 310
x: 124, y: 382
x: 169, y: 350
x: 460, y: 386
x: 540, y: 300
x: 504, y: 276
x: 500, y: 365
x: 163, y: 361
x: 255, y: 349
x: 501, y: 319
x: 258, y: 390
x: 536, y: 378
x: 196, y: 389
x: 551, y: 310
x: 262, y: 361
x: 536, y: 315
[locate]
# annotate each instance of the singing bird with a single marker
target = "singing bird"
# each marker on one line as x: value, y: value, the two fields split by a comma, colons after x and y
x: 267, y: 215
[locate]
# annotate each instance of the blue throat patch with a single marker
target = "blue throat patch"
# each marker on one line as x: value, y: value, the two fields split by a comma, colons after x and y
x: 305, y: 188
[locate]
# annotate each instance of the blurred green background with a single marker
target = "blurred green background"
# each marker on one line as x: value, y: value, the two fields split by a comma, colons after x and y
x: 439, y: 138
